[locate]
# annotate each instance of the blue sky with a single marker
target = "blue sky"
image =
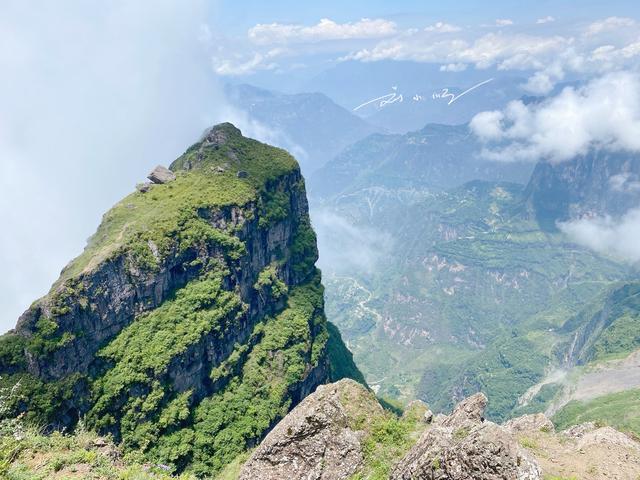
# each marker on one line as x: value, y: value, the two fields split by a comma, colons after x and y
x: 284, y: 45
x: 237, y: 16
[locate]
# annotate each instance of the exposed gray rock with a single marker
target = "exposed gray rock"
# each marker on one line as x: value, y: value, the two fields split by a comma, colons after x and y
x: 609, y: 437
x: 242, y: 174
x: 144, y: 187
x: 161, y: 174
x: 317, y: 440
x: 577, y: 431
x: 219, y: 135
x: 415, y: 409
x: 468, y: 411
x: 530, y: 423
x: 462, y: 446
x: 428, y: 416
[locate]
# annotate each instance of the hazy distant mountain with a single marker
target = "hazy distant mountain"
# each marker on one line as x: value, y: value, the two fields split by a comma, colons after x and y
x: 438, y: 281
x: 352, y: 84
x: 598, y: 183
x: 436, y: 157
x: 442, y: 293
x: 311, y: 125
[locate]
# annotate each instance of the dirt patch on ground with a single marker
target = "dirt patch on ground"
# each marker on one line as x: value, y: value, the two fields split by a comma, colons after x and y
x: 609, y: 378
x: 585, y: 453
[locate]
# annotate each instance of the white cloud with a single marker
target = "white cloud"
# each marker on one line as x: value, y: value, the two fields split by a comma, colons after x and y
x: 92, y: 96
x: 618, y: 238
x: 609, y: 24
x: 345, y: 246
x: 547, y: 19
x: 442, y: 27
x: 543, y: 81
x: 242, y: 66
x: 413, y: 48
x: 512, y: 51
x: 624, y: 182
x: 453, y: 67
x: 326, y: 29
x: 504, y: 22
x: 610, y: 56
x: 605, y: 113
x: 488, y: 125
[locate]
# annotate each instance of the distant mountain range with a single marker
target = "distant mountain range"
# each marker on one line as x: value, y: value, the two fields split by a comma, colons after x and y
x: 310, y: 125
x: 351, y: 84
x: 598, y: 183
x: 436, y: 157
x: 456, y: 278
x: 445, y: 271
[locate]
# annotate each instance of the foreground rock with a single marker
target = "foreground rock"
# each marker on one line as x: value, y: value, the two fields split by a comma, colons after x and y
x: 465, y: 446
x: 329, y: 436
x: 339, y: 433
x: 161, y: 175
x: 319, y: 439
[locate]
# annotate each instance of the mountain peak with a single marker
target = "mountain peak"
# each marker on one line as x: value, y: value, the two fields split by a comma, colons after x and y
x: 220, y: 133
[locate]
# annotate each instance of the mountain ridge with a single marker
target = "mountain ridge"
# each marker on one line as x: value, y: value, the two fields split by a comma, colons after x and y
x: 196, y: 307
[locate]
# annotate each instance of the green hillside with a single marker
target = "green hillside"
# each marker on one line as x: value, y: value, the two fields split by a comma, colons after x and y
x: 472, y: 295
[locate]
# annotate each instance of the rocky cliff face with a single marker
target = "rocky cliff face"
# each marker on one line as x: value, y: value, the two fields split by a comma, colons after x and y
x: 606, y: 326
x: 195, y: 308
x: 597, y: 183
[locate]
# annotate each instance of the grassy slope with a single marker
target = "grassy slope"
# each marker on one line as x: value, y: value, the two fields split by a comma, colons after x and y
x: 620, y: 410
x: 472, y: 293
x: 160, y: 213
x: 81, y: 456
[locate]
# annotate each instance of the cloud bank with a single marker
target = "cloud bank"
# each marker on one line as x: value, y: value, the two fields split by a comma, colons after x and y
x: 604, y: 113
x: 92, y: 96
x: 345, y: 247
x: 326, y: 29
x: 618, y: 238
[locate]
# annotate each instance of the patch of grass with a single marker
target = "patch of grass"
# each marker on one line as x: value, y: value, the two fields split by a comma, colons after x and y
x: 529, y: 443
x: 619, y: 339
x: 389, y: 439
x: 460, y: 434
x: 620, y: 410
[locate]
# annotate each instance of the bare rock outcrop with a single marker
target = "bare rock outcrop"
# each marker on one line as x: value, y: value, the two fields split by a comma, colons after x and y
x: 318, y: 440
x: 161, y: 175
x: 329, y: 437
x: 463, y: 446
x: 530, y: 423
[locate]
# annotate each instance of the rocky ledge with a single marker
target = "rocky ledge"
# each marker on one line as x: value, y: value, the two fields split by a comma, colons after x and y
x: 335, y: 434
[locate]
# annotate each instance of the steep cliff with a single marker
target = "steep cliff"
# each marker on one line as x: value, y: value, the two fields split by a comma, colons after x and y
x: 598, y: 183
x: 607, y: 327
x: 194, y: 319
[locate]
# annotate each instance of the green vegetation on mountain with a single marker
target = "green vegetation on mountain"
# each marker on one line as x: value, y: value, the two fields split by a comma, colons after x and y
x: 608, y: 327
x: 472, y: 294
x: 224, y: 425
x: 620, y: 410
x: 192, y: 322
